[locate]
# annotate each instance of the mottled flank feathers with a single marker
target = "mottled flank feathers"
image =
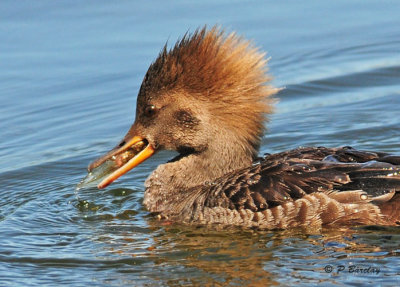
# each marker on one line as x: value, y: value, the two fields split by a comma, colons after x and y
x: 305, y: 187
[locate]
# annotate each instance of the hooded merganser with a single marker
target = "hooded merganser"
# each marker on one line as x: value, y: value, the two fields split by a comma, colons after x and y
x: 207, y: 98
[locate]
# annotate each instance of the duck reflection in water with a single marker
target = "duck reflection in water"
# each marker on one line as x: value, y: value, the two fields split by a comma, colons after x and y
x: 245, y: 256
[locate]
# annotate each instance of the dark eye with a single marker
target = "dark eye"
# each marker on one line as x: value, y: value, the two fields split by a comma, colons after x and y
x: 150, y: 111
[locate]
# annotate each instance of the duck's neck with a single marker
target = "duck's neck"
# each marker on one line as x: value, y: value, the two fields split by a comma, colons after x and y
x: 171, y: 181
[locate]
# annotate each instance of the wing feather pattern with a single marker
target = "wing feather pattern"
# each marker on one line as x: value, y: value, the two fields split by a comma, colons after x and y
x: 342, y: 175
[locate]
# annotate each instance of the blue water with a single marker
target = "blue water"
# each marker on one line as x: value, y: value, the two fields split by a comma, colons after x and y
x: 70, y: 72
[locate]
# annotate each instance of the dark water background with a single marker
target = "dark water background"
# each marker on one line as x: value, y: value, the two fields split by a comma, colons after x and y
x: 69, y: 75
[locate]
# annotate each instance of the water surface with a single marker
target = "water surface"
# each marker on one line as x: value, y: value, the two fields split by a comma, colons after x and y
x: 70, y: 73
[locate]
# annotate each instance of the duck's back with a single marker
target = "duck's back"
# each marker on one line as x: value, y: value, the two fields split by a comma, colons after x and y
x: 306, y: 186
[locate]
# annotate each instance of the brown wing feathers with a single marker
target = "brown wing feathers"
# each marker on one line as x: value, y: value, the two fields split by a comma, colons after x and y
x: 291, y: 175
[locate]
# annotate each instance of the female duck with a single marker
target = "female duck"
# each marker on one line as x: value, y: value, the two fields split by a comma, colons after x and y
x: 207, y: 99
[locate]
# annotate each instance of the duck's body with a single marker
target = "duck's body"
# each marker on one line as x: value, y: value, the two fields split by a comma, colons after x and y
x: 207, y: 99
x: 301, y: 187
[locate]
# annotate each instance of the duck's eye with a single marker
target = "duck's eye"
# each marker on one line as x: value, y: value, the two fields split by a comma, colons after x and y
x: 150, y: 111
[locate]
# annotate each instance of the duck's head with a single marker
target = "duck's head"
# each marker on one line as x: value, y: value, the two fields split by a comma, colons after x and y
x: 208, y: 89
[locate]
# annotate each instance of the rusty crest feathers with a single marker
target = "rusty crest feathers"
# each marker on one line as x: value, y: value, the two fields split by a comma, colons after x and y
x: 224, y: 72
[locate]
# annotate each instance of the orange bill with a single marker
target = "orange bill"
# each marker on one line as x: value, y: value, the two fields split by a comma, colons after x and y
x: 124, y: 158
x: 147, y: 152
